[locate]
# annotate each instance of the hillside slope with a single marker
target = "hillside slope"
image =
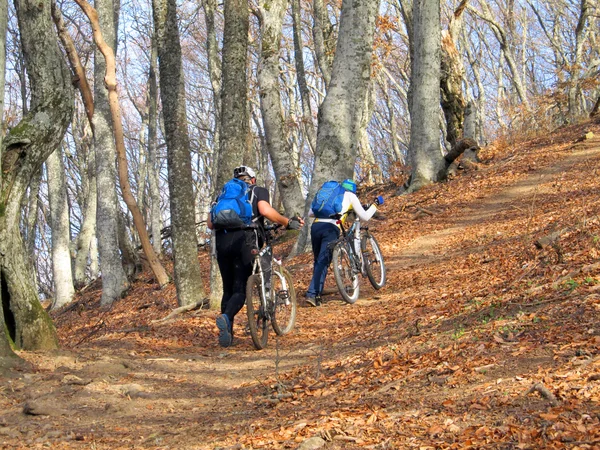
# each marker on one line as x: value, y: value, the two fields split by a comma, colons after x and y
x: 487, y: 335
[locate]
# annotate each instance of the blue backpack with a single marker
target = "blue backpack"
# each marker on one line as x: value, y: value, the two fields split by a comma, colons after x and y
x: 328, y: 200
x: 233, y: 208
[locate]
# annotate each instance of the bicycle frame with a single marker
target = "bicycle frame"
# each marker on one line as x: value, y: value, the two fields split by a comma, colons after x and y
x: 258, y: 269
x: 352, y: 237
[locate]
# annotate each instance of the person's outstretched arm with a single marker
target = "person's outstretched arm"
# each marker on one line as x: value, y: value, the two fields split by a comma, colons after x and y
x: 266, y: 210
x: 358, y: 209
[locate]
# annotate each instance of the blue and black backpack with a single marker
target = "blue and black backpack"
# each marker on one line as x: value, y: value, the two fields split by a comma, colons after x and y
x: 233, y: 208
x: 328, y: 200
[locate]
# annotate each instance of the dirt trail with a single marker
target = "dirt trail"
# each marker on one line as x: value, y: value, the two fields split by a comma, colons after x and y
x: 115, y: 392
x: 521, y: 196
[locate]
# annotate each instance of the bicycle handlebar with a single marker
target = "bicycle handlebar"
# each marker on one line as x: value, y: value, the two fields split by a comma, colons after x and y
x: 273, y: 227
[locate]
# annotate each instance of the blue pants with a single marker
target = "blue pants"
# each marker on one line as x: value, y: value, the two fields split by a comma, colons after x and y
x: 321, y: 233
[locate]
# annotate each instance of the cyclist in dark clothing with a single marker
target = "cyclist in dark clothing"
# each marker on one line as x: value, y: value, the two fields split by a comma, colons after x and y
x: 234, y: 252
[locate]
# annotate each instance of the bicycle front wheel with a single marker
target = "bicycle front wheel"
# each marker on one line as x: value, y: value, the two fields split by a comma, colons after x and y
x: 373, y: 259
x: 345, y: 276
x: 284, y: 307
x: 257, y: 317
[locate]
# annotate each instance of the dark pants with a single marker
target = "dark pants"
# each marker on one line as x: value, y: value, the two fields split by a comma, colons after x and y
x: 321, y: 234
x: 235, y: 263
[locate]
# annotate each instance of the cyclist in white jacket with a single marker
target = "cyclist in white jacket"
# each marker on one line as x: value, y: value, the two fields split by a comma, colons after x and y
x: 324, y: 231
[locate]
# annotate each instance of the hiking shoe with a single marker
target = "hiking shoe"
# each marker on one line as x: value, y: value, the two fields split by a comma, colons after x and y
x: 312, y: 301
x: 225, y: 334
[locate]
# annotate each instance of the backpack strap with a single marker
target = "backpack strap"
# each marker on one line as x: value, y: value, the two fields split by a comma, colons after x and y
x: 251, y: 199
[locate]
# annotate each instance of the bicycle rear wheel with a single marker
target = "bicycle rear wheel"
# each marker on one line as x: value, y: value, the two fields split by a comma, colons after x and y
x: 284, y: 295
x: 345, y: 277
x: 257, y: 317
x: 373, y: 259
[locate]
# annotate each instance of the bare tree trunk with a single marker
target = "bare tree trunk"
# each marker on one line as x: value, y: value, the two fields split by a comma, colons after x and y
x: 111, y: 83
x: 278, y: 146
x: 3, y: 27
x: 373, y: 172
x: 452, y: 77
x: 24, y: 150
x: 7, y: 356
x: 428, y: 165
x: 129, y: 256
x: 59, y: 225
x: 324, y: 47
x: 31, y: 219
x: 85, y: 239
x: 581, y: 33
x: 188, y: 279
x: 214, y: 69
x: 155, y: 213
x: 341, y: 112
x: 307, y: 118
x: 506, y: 50
x: 233, y: 142
x: 114, y: 280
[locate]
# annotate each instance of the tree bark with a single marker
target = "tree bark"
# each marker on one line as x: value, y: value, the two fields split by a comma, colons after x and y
x: 3, y: 28
x: 188, y: 279
x: 59, y: 225
x: 7, y: 356
x: 322, y: 36
x: 85, y: 241
x: 114, y: 280
x: 233, y: 142
x: 215, y: 73
x: 278, y: 146
x: 452, y: 77
x: 340, y: 117
x: 24, y: 150
x: 307, y: 116
x: 428, y: 165
x: 155, y: 213
x: 113, y: 99
x: 86, y: 236
x: 506, y: 50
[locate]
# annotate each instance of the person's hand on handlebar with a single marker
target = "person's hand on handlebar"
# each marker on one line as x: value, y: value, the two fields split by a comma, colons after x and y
x: 295, y: 223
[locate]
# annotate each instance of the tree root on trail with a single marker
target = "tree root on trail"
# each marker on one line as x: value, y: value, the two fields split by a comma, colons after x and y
x: 544, y: 392
x: 184, y: 308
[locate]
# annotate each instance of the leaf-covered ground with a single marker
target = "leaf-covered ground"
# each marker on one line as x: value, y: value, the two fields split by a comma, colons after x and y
x: 487, y: 335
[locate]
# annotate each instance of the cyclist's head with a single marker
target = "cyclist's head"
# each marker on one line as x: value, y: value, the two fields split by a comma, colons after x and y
x: 244, y: 173
x: 349, y: 185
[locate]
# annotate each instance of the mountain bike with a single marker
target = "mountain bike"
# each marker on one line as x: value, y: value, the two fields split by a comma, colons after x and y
x: 356, y: 253
x: 270, y: 297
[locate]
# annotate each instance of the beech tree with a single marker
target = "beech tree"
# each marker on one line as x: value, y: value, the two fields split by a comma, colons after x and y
x: 114, y: 280
x: 234, y: 89
x: 428, y: 164
x: 188, y: 279
x: 338, y: 135
x: 24, y: 150
x: 271, y: 14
